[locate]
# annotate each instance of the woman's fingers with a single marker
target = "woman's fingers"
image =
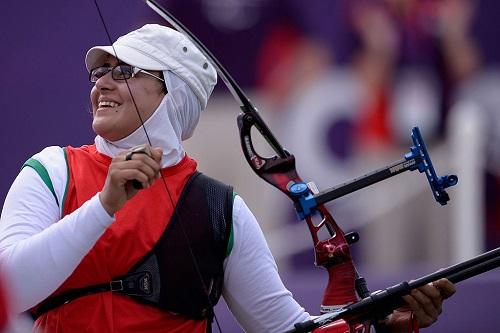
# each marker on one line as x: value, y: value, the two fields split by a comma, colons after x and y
x: 147, y: 163
x: 445, y: 287
x: 424, y: 318
x: 137, y: 165
x: 147, y: 167
x: 426, y: 302
x: 156, y: 154
x: 430, y: 297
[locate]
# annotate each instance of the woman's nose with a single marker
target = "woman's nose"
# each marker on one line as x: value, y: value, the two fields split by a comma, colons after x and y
x: 105, y: 82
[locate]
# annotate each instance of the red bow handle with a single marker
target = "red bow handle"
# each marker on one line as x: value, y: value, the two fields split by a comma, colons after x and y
x: 332, y: 253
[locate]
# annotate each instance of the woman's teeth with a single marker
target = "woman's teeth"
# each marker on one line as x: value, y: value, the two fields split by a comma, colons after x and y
x: 107, y: 104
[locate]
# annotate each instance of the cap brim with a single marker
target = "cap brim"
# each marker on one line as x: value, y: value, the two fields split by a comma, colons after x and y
x: 96, y: 56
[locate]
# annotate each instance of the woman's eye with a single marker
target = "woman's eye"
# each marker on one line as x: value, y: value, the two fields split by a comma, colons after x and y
x: 124, y: 71
x: 98, y: 72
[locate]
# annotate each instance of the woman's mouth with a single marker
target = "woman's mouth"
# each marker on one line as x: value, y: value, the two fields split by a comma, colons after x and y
x: 107, y: 105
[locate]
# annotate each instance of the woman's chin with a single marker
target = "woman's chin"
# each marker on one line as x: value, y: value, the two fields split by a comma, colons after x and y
x: 107, y: 132
x: 103, y: 131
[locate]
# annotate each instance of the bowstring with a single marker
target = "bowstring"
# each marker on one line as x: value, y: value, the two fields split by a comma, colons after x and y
x: 175, y: 212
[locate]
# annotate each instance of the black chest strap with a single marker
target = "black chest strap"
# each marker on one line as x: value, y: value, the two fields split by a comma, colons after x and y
x: 167, y: 277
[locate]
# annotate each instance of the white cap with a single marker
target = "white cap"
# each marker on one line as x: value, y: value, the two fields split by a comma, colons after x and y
x: 155, y: 47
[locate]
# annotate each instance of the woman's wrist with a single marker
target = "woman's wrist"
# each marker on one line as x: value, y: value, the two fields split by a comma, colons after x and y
x: 106, y: 207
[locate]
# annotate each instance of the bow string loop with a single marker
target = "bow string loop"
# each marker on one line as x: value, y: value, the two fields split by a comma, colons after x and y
x: 169, y: 194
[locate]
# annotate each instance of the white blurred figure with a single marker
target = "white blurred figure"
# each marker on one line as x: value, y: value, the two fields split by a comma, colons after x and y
x: 10, y: 323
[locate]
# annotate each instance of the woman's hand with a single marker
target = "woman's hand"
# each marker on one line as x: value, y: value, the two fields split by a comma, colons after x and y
x: 425, y: 303
x: 141, y: 164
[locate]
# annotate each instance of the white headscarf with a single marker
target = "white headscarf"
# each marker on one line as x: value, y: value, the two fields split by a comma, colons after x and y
x: 172, y: 122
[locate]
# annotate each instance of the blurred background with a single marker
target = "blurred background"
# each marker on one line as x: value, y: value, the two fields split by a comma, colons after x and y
x: 341, y: 83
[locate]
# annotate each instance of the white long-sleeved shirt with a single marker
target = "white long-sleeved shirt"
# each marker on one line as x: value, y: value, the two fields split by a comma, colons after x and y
x: 38, y: 254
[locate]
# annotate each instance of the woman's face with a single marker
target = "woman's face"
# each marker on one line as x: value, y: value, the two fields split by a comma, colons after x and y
x: 113, y: 110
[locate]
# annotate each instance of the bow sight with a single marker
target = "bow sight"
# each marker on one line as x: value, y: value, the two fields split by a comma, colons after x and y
x: 306, y: 201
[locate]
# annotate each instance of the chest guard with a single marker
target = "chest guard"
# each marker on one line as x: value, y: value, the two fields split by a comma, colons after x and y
x: 198, y: 232
x: 166, y: 277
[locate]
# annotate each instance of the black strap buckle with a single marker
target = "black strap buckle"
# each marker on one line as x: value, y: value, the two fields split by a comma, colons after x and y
x: 138, y: 284
x: 116, y: 285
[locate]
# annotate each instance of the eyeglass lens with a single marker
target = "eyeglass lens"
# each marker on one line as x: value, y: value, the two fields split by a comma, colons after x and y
x: 120, y: 72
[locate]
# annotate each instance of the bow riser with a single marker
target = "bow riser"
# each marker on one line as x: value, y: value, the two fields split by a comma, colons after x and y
x: 332, y: 253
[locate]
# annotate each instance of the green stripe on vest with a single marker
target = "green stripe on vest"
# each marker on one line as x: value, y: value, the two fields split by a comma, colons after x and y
x: 230, y: 242
x: 67, y: 181
x: 43, y: 173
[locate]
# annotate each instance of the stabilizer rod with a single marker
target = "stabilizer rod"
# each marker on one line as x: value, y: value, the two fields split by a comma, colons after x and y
x: 383, y: 302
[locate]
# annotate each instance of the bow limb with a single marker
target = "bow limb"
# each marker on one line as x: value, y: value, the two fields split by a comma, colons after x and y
x: 246, y: 106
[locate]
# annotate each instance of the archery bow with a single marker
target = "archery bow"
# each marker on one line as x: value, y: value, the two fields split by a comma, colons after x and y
x: 333, y: 253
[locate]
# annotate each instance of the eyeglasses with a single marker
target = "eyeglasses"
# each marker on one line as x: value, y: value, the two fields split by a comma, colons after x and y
x: 118, y: 72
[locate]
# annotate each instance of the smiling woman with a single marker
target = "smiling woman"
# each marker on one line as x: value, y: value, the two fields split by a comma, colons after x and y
x: 91, y: 239
x: 76, y: 221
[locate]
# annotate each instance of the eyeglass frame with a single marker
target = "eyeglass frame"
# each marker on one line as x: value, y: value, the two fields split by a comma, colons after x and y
x: 135, y: 71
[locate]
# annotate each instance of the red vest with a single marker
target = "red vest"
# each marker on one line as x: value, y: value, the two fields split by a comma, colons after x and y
x: 138, y: 226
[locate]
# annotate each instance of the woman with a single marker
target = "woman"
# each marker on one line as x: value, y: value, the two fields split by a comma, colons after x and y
x: 77, y: 230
